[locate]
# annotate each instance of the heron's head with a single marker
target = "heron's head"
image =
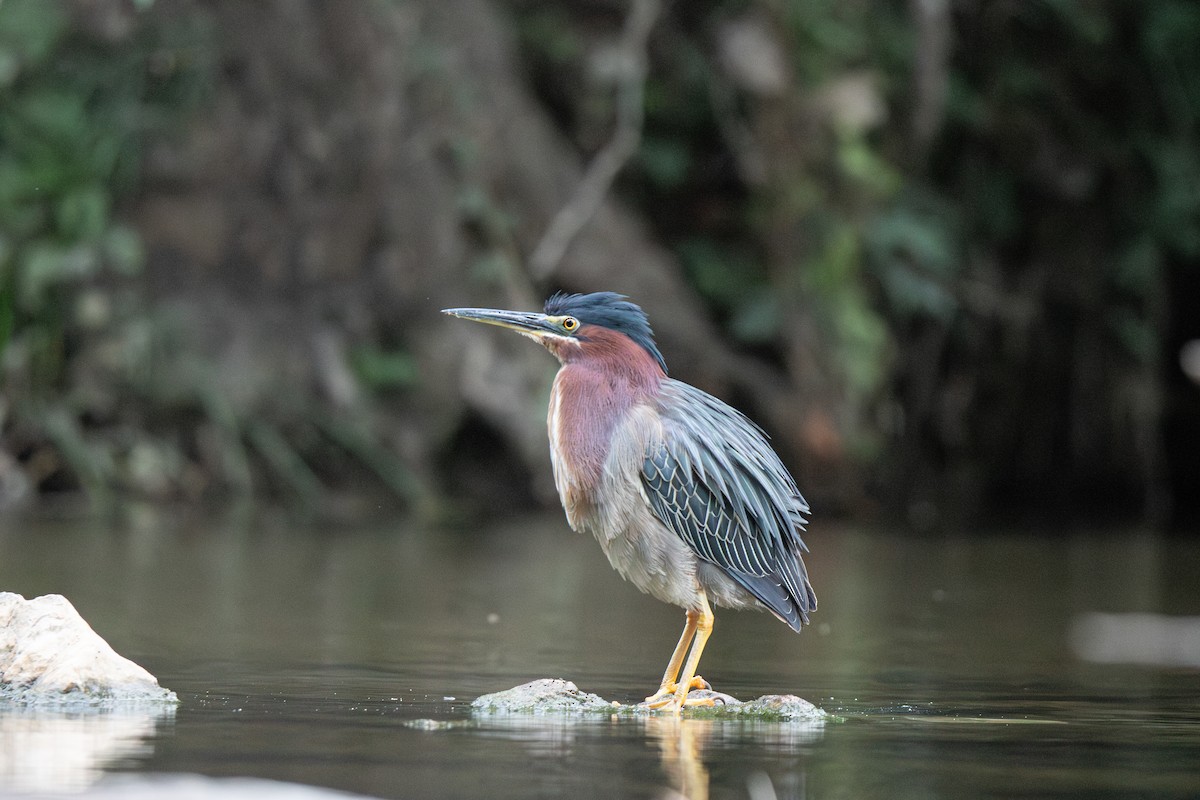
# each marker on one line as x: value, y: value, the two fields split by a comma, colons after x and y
x: 574, y: 325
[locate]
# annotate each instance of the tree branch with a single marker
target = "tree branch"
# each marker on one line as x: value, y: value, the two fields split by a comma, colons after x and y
x: 603, y: 170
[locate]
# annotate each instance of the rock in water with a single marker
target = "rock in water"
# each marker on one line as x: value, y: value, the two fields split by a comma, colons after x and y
x: 543, y: 696
x: 548, y: 696
x: 780, y: 707
x: 50, y: 655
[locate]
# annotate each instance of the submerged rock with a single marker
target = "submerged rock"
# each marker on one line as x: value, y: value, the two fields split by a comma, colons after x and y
x: 50, y: 656
x: 558, y: 696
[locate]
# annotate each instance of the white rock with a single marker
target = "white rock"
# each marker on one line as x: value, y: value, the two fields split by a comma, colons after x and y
x: 48, y: 653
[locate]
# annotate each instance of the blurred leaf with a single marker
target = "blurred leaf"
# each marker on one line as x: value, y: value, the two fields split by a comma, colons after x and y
x: 828, y: 34
x: 10, y: 66
x: 1021, y: 82
x: 7, y: 311
x: 863, y: 337
x: 548, y: 31
x: 104, y: 149
x: 990, y: 194
x: 665, y: 161
x: 1081, y: 20
x: 1135, y: 334
x: 964, y: 103
x: 1169, y: 38
x: 56, y: 114
x: 30, y: 29
x: 383, y: 369
x: 757, y: 319
x: 914, y: 258
x: 833, y: 269
x: 864, y: 164
x: 1136, y: 270
x: 45, y: 265
x: 1178, y: 200
x: 725, y: 276
x: 83, y: 213
x: 492, y: 268
x: 123, y: 251
x: 677, y: 94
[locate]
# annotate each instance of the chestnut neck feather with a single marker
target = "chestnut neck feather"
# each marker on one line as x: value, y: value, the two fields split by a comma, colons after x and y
x: 599, y: 382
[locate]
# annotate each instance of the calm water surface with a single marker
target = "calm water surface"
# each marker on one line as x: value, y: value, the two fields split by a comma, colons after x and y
x: 959, y: 666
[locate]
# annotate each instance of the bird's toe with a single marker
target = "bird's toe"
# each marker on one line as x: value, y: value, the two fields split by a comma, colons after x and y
x: 673, y: 703
x: 672, y: 688
x: 660, y: 698
x: 703, y: 702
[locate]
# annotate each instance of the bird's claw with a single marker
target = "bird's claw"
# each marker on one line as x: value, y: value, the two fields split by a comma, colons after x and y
x: 674, y: 702
x: 671, y: 696
x: 670, y: 688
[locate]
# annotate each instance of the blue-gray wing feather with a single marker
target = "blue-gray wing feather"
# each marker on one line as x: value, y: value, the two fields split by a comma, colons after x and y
x: 715, y: 481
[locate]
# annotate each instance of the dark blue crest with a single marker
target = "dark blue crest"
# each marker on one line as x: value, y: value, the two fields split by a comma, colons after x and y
x: 608, y: 310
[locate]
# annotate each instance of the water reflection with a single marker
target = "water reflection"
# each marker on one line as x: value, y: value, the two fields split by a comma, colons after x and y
x: 686, y: 747
x: 55, y: 751
x: 544, y: 736
x: 682, y: 743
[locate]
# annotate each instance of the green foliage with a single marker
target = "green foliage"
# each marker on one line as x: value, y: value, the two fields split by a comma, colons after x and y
x: 1061, y: 189
x: 75, y: 111
x: 1104, y: 126
x: 762, y: 255
x: 831, y: 36
x: 76, y: 107
x: 1174, y: 210
x: 666, y: 162
x: 546, y: 30
x: 913, y: 250
x: 384, y: 369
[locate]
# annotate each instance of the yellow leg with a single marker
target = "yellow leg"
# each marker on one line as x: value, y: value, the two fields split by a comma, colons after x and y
x: 703, y: 626
x: 668, y: 685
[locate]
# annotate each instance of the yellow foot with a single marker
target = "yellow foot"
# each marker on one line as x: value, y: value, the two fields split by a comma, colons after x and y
x: 675, y: 702
x: 670, y: 688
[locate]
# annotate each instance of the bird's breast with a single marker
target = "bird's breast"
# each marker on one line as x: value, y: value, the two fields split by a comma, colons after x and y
x: 586, y: 409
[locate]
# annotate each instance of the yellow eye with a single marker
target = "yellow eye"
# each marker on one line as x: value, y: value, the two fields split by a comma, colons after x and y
x: 570, y: 324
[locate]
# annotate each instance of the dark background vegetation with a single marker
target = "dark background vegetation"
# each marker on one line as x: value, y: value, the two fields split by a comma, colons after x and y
x: 945, y: 251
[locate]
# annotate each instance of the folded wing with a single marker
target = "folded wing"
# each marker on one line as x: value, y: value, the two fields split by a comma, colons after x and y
x: 715, y: 481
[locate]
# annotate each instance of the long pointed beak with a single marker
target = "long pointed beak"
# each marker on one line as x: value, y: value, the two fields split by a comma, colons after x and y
x: 527, y: 322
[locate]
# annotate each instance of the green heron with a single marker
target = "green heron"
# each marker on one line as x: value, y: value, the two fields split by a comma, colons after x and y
x: 683, y: 492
